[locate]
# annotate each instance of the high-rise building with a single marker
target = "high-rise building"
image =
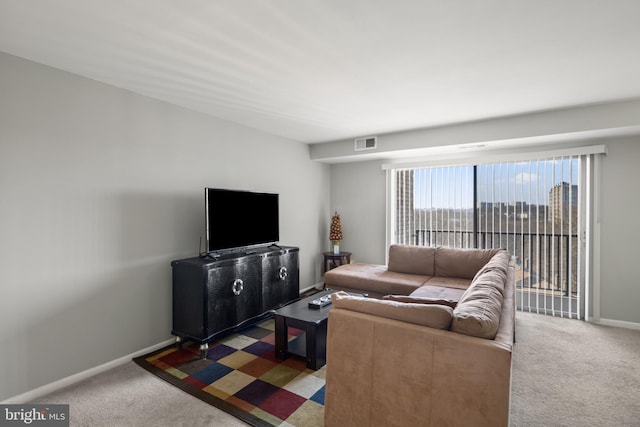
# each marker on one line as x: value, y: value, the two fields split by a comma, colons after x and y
x: 405, y: 224
x: 561, y: 198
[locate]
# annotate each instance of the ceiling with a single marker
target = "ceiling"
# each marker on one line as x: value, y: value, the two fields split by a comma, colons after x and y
x: 324, y: 70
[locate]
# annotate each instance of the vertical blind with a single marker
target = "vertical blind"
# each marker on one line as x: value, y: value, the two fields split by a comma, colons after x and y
x: 534, y: 209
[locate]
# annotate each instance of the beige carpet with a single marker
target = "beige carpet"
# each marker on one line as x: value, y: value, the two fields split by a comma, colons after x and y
x: 565, y: 373
x: 571, y: 373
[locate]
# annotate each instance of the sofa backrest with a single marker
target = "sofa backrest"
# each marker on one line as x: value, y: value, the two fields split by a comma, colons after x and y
x: 464, y: 263
x: 440, y: 261
x: 479, y: 310
x: 432, y: 315
x: 412, y: 260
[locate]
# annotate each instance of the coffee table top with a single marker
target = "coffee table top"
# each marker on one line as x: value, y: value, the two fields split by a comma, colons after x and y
x: 300, y: 310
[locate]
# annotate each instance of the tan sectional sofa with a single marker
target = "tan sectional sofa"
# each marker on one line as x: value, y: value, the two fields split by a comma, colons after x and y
x: 430, y: 346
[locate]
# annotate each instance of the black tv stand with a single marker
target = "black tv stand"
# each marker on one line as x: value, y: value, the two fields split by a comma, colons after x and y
x: 214, y: 294
x: 209, y: 255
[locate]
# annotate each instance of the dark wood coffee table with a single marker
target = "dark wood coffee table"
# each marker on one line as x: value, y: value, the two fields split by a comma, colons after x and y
x: 313, y: 344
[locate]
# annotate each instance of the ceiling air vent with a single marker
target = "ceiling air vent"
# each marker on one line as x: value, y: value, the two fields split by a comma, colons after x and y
x: 366, y: 143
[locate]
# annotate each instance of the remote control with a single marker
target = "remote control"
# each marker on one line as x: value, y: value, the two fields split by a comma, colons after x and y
x: 320, y: 302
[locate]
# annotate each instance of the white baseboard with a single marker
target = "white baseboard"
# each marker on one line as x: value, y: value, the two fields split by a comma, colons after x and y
x: 70, y: 380
x: 618, y: 323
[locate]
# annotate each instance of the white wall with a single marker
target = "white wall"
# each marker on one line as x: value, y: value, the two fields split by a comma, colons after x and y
x: 620, y: 228
x: 100, y: 189
x: 568, y: 124
x: 358, y: 192
x: 358, y: 195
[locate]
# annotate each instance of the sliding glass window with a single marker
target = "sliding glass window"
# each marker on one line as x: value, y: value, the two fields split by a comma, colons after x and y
x: 534, y: 209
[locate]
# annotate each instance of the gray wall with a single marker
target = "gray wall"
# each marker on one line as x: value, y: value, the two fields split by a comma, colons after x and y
x: 358, y: 192
x: 568, y: 124
x: 100, y: 189
x: 620, y: 228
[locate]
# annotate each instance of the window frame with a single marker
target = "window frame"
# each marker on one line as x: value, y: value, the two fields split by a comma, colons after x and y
x: 588, y: 232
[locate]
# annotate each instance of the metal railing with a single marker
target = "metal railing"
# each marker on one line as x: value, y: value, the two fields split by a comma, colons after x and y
x: 546, y: 261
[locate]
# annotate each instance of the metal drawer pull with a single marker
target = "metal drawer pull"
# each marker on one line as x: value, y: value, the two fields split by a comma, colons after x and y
x: 238, y: 286
x: 282, y: 273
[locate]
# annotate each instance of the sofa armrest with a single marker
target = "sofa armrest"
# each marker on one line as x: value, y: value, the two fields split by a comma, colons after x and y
x: 383, y: 371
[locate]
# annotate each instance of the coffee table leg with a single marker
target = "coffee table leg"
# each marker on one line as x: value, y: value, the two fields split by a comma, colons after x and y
x: 317, y: 346
x: 281, y: 337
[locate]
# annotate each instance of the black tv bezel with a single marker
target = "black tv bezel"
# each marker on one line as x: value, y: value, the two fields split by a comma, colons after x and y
x: 248, y: 244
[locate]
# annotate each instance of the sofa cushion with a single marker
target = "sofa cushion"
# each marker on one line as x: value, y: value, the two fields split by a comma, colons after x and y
x: 480, y: 307
x: 500, y: 261
x: 492, y: 278
x: 352, y: 275
x: 465, y: 263
x: 449, y: 282
x: 412, y: 259
x: 421, y: 300
x: 478, y: 312
x: 438, y: 292
x: 373, y: 279
x: 433, y: 316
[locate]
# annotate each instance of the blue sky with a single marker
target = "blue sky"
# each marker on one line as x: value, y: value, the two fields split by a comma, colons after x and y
x: 502, y: 182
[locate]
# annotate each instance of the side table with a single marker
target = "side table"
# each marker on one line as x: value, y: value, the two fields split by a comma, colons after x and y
x: 332, y: 260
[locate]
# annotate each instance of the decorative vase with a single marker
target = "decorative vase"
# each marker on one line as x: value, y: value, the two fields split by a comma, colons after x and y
x: 336, y: 247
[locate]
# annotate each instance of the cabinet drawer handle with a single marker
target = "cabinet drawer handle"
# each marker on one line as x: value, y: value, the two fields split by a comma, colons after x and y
x: 237, y: 286
x: 282, y: 273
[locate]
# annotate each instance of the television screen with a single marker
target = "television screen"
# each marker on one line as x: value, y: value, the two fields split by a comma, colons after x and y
x: 239, y: 219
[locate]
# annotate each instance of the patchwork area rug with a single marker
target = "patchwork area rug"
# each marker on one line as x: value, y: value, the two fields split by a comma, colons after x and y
x: 242, y: 377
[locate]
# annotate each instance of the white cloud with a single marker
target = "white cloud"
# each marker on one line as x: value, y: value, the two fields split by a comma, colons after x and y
x: 526, y: 177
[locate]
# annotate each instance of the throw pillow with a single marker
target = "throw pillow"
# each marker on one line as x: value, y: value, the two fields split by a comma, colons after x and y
x: 499, y: 261
x: 478, y: 312
x: 421, y: 300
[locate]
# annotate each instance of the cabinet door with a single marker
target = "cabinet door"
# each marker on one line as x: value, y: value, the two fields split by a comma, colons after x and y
x: 280, y: 280
x: 233, y: 295
x: 249, y: 299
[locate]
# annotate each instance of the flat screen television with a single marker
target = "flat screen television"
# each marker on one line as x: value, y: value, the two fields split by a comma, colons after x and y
x: 240, y: 219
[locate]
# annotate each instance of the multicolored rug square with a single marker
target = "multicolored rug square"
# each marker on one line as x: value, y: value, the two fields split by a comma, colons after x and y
x: 242, y: 376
